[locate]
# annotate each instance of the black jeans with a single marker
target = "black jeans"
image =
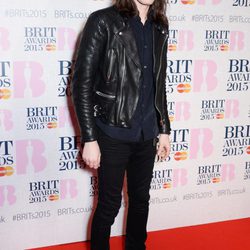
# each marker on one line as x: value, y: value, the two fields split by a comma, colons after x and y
x: 137, y: 159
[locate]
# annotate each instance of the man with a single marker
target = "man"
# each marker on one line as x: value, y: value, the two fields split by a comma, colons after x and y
x: 119, y: 95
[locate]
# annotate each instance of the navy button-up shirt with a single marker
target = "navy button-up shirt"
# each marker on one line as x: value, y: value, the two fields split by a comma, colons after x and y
x: 144, y: 121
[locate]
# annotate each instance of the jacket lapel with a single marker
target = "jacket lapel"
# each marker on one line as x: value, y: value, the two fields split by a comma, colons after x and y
x: 159, y: 37
x: 126, y: 37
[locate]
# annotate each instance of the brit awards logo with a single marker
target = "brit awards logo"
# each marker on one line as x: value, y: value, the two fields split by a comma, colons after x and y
x: 70, y: 156
x: 239, y: 75
x: 181, y: 40
x: 64, y: 74
x: 40, y: 38
x: 185, y: 76
x: 169, y: 178
x: 52, y: 190
x: 49, y: 38
x: 42, y: 191
x: 179, y: 75
x: 219, y: 109
x: 224, y: 40
x: 236, y: 140
x: 179, y: 110
x: 41, y: 118
x: 215, y: 173
x: 247, y: 169
x: 217, y: 40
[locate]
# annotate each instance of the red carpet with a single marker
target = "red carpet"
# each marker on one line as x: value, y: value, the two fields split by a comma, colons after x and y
x: 229, y: 235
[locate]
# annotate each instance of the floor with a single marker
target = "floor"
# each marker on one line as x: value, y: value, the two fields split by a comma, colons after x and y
x: 228, y: 235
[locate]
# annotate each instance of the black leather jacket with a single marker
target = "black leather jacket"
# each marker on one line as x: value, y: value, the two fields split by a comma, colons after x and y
x: 108, y: 73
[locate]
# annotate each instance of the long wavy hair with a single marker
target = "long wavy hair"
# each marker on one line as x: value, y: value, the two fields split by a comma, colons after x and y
x: 158, y: 8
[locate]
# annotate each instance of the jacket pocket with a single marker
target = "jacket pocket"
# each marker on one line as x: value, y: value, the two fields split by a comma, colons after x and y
x: 104, y: 105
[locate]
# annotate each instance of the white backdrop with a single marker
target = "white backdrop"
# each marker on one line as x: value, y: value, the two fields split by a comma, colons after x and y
x: 45, y: 197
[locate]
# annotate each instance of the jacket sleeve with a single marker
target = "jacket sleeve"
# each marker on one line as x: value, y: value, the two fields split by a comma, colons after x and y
x: 165, y: 127
x: 87, y: 59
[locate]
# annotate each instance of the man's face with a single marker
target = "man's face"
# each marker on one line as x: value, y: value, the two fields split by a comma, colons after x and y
x: 145, y: 2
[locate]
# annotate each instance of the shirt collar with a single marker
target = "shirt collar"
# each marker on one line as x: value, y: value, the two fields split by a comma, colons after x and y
x: 149, y: 17
x: 138, y: 19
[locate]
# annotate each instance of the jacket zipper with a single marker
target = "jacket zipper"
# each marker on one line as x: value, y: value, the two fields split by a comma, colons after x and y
x: 105, y: 95
x: 158, y: 71
x: 120, y: 94
x: 110, y: 65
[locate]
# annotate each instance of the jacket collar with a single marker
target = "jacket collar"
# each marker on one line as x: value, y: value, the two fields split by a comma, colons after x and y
x: 125, y: 35
x: 123, y: 18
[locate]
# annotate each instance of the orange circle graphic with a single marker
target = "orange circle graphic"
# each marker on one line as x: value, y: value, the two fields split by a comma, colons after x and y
x: 5, y: 94
x: 54, y: 197
x: 180, y: 156
x: 52, y: 125
x: 172, y: 47
x: 188, y: 1
x: 248, y: 150
x: 6, y: 171
x: 167, y: 185
x: 219, y: 116
x: 184, y: 88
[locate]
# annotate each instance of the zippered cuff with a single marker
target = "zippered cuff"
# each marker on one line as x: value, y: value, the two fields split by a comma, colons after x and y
x: 164, y: 129
x: 89, y: 135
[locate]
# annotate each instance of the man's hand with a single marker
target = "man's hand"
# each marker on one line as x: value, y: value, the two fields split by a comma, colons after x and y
x: 163, y: 147
x: 91, y: 154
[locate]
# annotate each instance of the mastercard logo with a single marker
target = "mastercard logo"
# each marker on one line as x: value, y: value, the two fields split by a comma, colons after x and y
x: 167, y: 185
x: 5, y: 94
x: 54, y: 197
x: 6, y: 171
x: 188, y: 1
x: 180, y: 156
x: 248, y: 150
x: 224, y: 47
x: 50, y: 47
x: 171, y: 118
x: 216, y: 180
x: 172, y: 47
x: 184, y: 88
x: 219, y: 116
x: 52, y: 125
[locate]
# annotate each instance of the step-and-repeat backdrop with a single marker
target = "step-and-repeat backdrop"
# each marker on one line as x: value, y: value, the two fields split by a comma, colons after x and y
x: 47, y: 196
